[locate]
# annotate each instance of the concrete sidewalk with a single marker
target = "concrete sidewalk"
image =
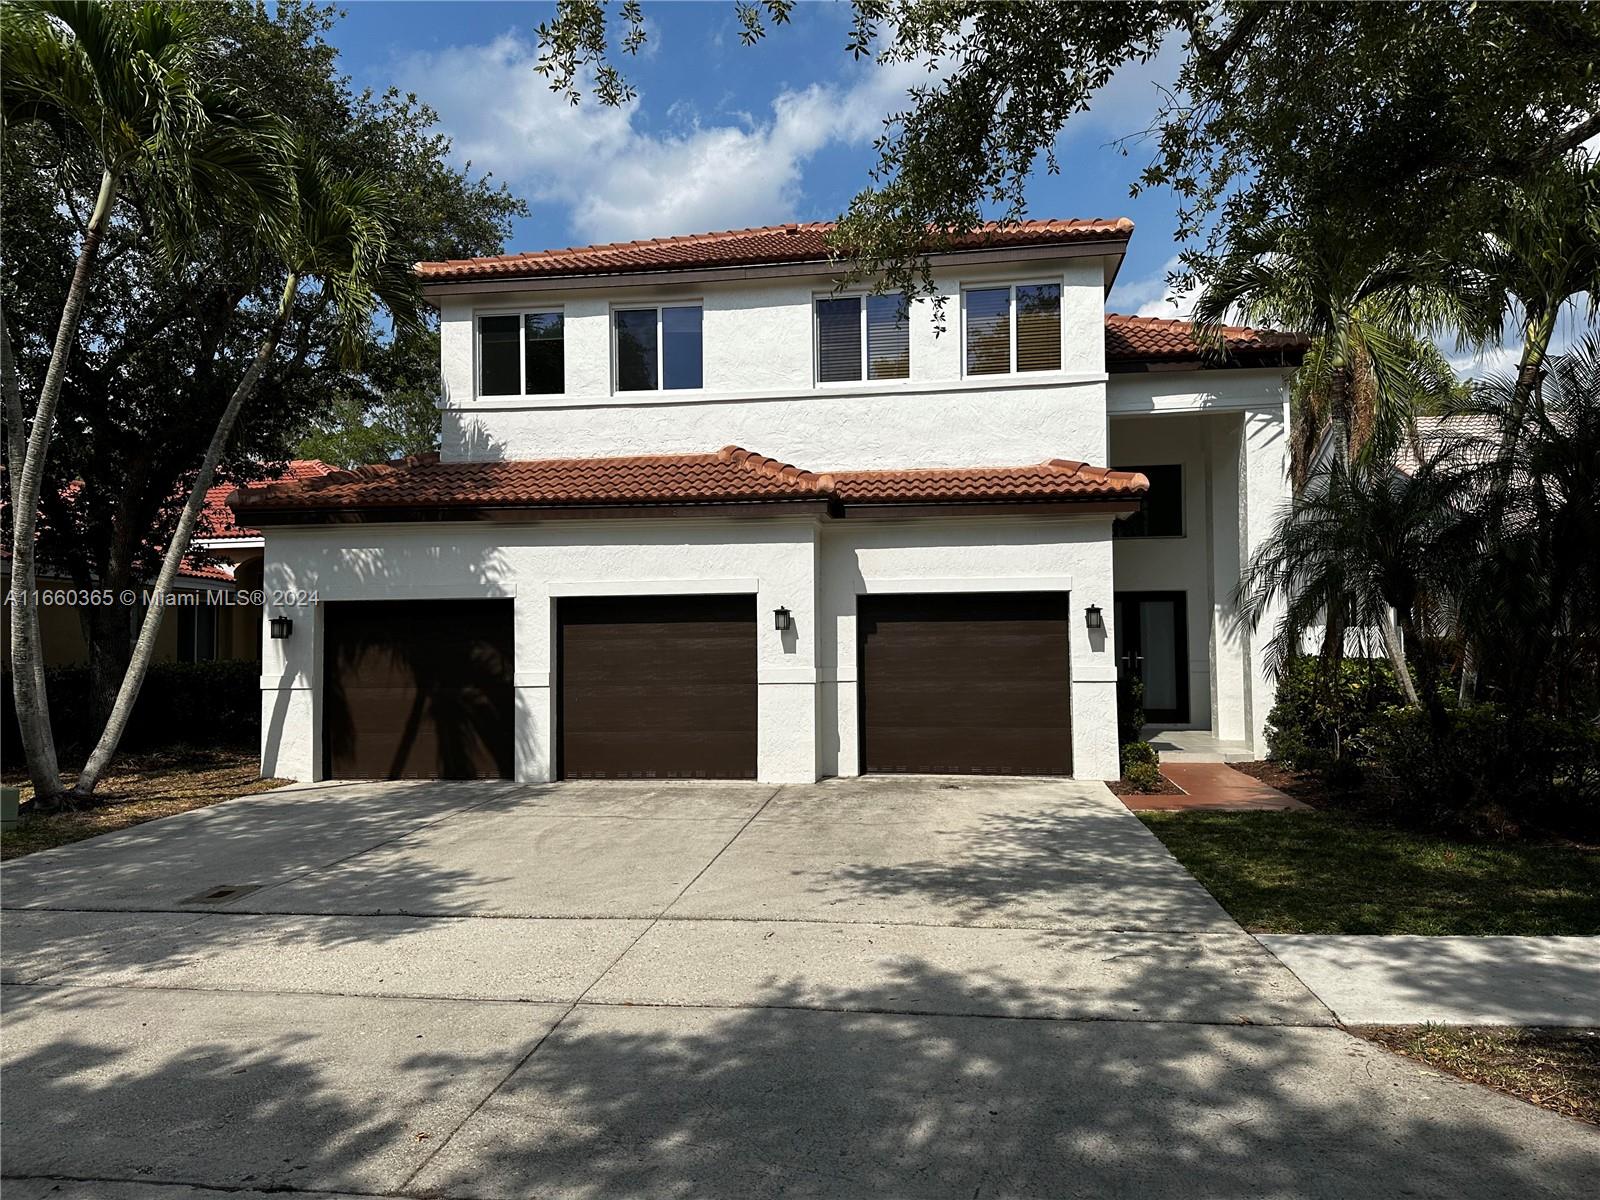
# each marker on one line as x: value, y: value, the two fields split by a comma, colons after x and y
x: 1396, y: 980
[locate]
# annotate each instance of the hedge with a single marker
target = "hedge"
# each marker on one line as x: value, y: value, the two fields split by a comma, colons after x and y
x: 211, y: 704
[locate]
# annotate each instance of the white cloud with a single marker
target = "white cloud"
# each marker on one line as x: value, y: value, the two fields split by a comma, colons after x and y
x: 617, y: 177
x: 1152, y: 297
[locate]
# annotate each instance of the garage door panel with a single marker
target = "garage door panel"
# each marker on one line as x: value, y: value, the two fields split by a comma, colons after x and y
x: 658, y: 687
x: 966, y: 684
x: 418, y: 690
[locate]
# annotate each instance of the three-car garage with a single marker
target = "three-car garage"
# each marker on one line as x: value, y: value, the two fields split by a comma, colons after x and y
x: 666, y: 687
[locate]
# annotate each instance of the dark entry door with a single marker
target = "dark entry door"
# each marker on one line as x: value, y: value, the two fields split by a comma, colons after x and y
x: 657, y: 687
x: 965, y: 684
x: 1153, y: 647
x: 418, y: 689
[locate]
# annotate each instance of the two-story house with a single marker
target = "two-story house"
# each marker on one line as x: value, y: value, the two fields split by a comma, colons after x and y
x: 700, y: 514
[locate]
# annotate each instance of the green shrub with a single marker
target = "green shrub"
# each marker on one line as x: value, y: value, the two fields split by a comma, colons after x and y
x: 1489, y: 769
x: 181, y: 704
x: 1321, y: 712
x: 1140, y: 767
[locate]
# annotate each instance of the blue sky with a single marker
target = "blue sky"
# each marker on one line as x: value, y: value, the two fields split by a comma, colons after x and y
x: 721, y: 135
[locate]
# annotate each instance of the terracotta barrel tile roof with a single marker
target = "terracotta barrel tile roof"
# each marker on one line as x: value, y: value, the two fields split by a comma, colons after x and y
x: 1058, y: 479
x: 730, y: 476
x: 1157, y: 339
x: 768, y: 244
x: 217, y: 523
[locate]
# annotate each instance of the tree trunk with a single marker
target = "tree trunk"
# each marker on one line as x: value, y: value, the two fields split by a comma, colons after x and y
x: 1397, y: 658
x: 144, y: 647
x: 110, y: 650
x: 27, y: 658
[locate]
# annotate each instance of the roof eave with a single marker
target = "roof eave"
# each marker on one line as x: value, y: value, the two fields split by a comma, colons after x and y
x: 1100, y: 246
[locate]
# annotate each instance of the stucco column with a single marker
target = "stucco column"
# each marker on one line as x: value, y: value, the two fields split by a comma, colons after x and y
x: 533, y: 638
x: 1264, y: 493
x: 1095, y: 754
x: 291, y: 684
x: 1224, y: 506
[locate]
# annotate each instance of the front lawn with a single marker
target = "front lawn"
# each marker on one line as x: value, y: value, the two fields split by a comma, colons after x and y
x: 1333, y: 872
x: 1558, y: 1069
x: 140, y: 788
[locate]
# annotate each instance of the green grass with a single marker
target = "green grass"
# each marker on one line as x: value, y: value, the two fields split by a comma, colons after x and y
x: 1322, y: 872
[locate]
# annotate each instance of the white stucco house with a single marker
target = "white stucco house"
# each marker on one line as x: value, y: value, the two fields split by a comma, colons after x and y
x: 699, y: 513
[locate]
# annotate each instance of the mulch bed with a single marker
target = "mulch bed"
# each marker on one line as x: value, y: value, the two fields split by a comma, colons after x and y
x: 1121, y: 787
x: 1558, y: 1069
x: 139, y: 788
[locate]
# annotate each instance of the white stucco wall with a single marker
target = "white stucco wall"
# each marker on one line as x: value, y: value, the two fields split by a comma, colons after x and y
x: 806, y: 678
x: 759, y: 383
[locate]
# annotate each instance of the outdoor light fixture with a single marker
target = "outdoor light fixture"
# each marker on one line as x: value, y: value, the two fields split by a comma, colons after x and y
x: 781, y: 620
x: 1092, y: 617
x: 282, y: 627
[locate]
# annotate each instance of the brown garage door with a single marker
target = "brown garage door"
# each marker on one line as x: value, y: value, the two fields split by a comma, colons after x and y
x: 658, y: 687
x: 418, y: 690
x: 965, y: 684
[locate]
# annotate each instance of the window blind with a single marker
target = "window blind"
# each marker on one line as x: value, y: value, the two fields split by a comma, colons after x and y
x: 839, y: 339
x: 888, y: 338
x: 988, y: 331
x: 1039, y: 327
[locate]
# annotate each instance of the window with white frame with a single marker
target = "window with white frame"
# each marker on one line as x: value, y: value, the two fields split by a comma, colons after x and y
x: 862, y: 337
x: 658, y: 349
x: 521, y: 354
x: 1012, y: 328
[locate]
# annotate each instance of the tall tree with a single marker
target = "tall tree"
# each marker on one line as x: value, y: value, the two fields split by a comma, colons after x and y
x: 121, y: 79
x: 340, y: 240
x: 1395, y: 117
x: 1370, y: 312
x: 161, y: 347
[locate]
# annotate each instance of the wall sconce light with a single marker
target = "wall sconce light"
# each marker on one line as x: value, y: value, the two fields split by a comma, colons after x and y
x: 281, y: 627
x: 781, y: 620
x: 1092, y: 617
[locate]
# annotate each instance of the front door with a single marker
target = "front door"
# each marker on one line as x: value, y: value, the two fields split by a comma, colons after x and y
x: 1153, y: 647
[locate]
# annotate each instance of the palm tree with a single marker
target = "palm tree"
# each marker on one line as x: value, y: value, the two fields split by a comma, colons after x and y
x: 1542, y: 251
x: 1368, y: 546
x: 1369, y: 369
x: 1530, y: 615
x: 130, y: 79
x: 341, y: 243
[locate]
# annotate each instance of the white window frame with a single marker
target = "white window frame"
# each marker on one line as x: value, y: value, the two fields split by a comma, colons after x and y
x: 522, y: 315
x: 816, y: 342
x: 1011, y: 286
x: 661, y: 346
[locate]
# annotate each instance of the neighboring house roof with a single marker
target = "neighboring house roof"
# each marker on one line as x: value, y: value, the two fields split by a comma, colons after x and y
x: 1133, y: 343
x: 217, y: 522
x: 766, y: 245
x: 425, y: 487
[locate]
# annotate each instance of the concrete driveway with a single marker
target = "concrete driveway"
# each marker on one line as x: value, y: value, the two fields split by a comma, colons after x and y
x: 861, y: 988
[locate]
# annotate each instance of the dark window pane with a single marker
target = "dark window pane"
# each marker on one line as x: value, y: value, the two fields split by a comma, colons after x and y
x: 499, y: 356
x: 683, y: 350
x: 636, y: 350
x: 989, y: 331
x: 888, y: 338
x: 839, y: 339
x: 1161, y: 511
x: 546, y: 359
x: 1039, y: 327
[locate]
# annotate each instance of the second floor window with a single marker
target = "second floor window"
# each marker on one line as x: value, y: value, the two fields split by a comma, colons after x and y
x: 863, y: 337
x: 1013, y: 328
x: 521, y: 354
x: 659, y: 348
x: 1160, y: 510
